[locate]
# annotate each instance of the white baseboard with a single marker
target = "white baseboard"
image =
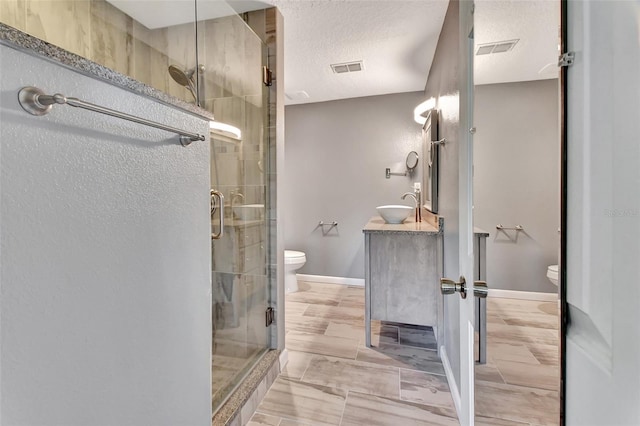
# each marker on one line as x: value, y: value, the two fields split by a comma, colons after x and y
x: 331, y: 280
x: 284, y: 358
x: 496, y: 293
x: 453, y: 386
x: 523, y: 295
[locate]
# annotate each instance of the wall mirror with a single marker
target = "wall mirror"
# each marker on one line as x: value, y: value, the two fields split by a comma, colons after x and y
x: 430, y: 149
x: 412, y: 161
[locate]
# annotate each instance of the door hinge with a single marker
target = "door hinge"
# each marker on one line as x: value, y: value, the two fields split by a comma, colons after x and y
x: 566, y: 59
x: 267, y: 76
x: 269, y: 316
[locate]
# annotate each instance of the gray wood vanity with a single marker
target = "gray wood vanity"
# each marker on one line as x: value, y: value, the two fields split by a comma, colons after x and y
x: 403, y: 267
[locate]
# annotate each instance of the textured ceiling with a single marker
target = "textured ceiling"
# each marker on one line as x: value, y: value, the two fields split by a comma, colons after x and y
x: 395, y: 39
x: 535, y: 23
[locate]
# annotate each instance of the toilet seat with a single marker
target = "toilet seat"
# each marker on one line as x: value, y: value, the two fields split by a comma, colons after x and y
x: 292, y: 256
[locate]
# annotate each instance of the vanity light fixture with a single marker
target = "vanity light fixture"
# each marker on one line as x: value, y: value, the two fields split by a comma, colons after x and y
x: 423, y: 108
x: 225, y: 129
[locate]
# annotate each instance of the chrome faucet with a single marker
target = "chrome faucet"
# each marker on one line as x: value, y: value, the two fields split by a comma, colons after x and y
x: 416, y: 197
x: 410, y: 194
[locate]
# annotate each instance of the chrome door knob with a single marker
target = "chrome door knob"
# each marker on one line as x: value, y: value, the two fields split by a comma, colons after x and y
x: 480, y: 289
x: 449, y: 286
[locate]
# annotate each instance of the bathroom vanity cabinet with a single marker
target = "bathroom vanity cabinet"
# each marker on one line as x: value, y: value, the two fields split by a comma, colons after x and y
x: 403, y: 266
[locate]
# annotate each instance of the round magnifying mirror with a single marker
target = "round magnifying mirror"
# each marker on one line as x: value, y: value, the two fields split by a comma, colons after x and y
x: 412, y: 160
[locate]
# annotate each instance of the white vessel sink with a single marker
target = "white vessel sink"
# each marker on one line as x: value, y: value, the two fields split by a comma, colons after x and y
x: 249, y: 211
x: 394, y: 213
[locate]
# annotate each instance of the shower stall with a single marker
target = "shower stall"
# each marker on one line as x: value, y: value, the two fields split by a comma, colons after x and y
x: 225, y: 76
x: 234, y: 90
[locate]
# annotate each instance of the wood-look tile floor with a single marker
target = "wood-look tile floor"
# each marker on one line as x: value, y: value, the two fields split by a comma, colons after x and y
x: 333, y: 379
x: 519, y: 383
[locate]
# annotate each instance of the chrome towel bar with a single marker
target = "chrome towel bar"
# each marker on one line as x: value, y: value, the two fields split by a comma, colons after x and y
x: 331, y: 224
x: 326, y: 227
x: 506, y: 228
x: 36, y: 102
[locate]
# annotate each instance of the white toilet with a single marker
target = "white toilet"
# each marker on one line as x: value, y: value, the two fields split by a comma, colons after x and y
x: 552, y: 274
x: 293, y: 260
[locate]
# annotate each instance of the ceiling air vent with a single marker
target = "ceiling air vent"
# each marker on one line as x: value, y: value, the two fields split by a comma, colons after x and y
x: 498, y: 47
x: 347, y: 67
x: 300, y: 95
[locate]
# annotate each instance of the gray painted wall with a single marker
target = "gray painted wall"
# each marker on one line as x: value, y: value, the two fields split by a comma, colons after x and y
x: 443, y: 85
x: 516, y: 181
x: 336, y: 154
x: 105, y: 262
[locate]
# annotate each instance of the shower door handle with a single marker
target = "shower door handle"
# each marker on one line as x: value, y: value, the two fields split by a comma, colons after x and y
x: 217, y: 203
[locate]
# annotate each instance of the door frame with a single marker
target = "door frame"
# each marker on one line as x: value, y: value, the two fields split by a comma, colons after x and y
x: 562, y: 271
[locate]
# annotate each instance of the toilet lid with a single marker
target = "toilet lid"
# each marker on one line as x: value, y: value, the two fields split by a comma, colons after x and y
x: 292, y: 253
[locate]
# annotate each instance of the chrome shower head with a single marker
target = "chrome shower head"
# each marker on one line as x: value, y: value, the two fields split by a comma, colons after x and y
x: 183, y: 78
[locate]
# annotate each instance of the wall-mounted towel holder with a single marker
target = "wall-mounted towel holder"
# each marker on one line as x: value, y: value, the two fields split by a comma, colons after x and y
x: 326, y: 227
x: 509, y: 228
x: 36, y: 102
x: 330, y: 224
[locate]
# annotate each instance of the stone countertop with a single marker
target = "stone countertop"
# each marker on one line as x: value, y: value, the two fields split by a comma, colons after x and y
x: 480, y: 232
x: 26, y: 43
x: 378, y: 225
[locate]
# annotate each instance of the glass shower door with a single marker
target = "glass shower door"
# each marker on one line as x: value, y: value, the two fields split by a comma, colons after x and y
x: 234, y: 92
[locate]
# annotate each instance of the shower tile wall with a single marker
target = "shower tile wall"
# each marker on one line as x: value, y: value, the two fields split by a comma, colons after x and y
x: 98, y: 31
x: 231, y: 57
x: 65, y: 24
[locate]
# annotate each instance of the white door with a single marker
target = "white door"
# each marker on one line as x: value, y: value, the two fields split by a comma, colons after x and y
x: 603, y: 214
x: 457, y: 353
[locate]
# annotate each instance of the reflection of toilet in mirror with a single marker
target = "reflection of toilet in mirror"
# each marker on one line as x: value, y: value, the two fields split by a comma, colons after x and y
x: 552, y: 274
x: 293, y: 260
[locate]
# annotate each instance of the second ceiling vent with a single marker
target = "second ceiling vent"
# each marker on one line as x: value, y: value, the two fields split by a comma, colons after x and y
x: 498, y: 47
x: 347, y: 67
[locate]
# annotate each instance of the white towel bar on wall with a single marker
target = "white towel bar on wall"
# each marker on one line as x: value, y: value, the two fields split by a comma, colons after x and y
x: 36, y: 102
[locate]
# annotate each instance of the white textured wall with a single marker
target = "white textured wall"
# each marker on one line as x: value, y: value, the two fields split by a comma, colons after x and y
x: 105, y: 259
